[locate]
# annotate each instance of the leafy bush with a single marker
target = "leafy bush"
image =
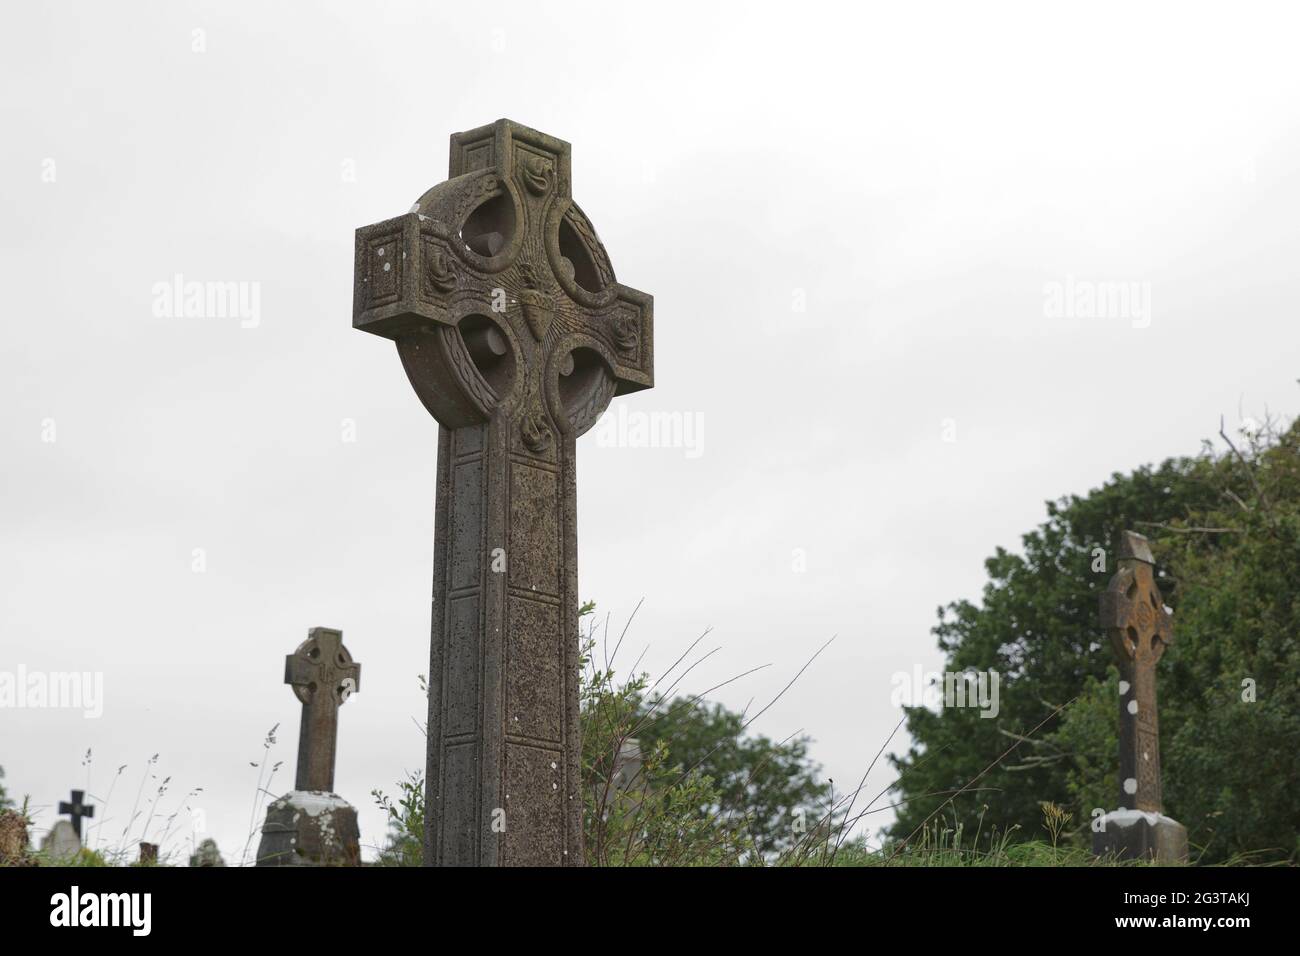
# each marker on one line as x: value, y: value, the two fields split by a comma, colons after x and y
x: 704, y: 793
x: 1225, y: 531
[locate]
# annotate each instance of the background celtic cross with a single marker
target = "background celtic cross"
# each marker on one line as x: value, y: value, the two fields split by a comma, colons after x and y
x: 1134, y: 616
x: 76, y: 808
x: 323, y: 676
x: 515, y: 335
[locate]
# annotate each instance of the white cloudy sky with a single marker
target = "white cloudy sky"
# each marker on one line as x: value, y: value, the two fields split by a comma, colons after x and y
x: 916, y: 177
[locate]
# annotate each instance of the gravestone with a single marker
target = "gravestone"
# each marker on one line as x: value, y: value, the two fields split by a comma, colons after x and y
x: 13, y: 839
x: 623, y: 786
x: 628, y: 764
x: 312, y: 825
x: 1134, y: 616
x: 207, y: 854
x: 515, y: 336
x: 148, y: 854
x: 627, y: 782
x: 62, y: 843
x: 76, y: 808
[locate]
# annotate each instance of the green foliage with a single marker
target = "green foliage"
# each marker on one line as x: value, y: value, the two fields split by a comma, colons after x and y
x: 705, y: 794
x: 1225, y: 532
x: 85, y: 857
x: 766, y: 784
x: 665, y: 812
x: 944, y: 841
x: 405, y: 845
x: 5, y: 802
x: 1234, y: 762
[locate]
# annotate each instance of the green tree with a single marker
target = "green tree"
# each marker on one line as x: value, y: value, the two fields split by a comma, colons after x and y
x: 1224, y: 532
x: 773, y: 787
x: 706, y: 792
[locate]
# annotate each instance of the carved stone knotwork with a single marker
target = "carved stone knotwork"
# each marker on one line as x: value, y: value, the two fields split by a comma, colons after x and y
x: 515, y: 338
x: 1140, y: 628
x: 439, y: 273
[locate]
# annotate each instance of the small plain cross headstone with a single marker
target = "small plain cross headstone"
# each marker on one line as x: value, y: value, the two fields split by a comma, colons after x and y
x: 515, y: 335
x: 313, y: 826
x: 1140, y: 629
x: 62, y: 843
x: 628, y: 764
x: 77, y: 808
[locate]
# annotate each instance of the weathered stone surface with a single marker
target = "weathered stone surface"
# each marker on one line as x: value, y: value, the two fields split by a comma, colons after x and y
x: 14, y: 839
x: 515, y: 335
x: 148, y: 854
x: 207, y: 855
x: 1140, y: 629
x: 626, y: 785
x: 1135, y: 834
x: 323, y: 676
x: 313, y: 826
x: 310, y: 828
x: 62, y: 843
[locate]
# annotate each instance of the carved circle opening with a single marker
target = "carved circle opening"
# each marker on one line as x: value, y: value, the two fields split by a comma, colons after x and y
x: 489, y: 350
x: 490, y: 227
x: 574, y: 255
x: 583, y: 379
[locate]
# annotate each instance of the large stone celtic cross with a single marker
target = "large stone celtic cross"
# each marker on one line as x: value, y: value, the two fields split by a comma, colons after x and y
x: 515, y: 336
x: 1134, y: 616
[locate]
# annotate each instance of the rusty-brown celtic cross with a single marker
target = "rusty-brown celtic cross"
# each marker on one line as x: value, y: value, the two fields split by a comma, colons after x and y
x: 323, y: 676
x: 515, y: 336
x: 1134, y: 616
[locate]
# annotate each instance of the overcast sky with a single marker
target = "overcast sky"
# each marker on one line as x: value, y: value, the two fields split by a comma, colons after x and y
x: 859, y: 224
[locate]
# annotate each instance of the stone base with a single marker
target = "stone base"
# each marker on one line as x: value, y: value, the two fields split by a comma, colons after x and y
x: 310, y: 828
x: 1136, y: 835
x: 14, y: 840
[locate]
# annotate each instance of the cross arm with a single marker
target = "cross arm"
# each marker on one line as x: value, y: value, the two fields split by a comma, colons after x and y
x: 1117, y: 613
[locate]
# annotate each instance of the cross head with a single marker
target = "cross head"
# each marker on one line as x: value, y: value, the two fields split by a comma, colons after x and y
x: 500, y: 296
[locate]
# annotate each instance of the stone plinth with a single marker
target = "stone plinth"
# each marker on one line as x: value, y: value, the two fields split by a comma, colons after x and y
x: 1137, y: 835
x: 310, y: 828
